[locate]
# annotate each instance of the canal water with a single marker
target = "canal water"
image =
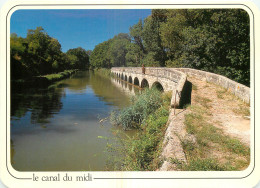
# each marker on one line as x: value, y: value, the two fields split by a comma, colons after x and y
x: 62, y: 127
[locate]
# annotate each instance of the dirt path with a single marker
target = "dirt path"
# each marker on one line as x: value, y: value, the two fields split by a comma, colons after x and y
x: 227, y: 111
x: 212, y: 133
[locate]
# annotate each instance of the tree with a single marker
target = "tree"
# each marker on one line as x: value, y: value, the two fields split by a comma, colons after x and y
x: 134, y: 55
x: 38, y: 43
x: 215, y: 40
x: 111, y: 53
x: 17, y: 50
x: 136, y: 32
x: 118, y: 49
x: 79, y: 58
x: 40, y: 54
x: 152, y: 39
x: 99, y: 56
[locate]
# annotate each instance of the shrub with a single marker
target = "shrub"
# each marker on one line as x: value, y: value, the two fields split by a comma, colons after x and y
x: 143, y: 105
x: 149, y: 112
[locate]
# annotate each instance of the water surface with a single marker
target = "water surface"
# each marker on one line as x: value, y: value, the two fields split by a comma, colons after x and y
x: 58, y: 128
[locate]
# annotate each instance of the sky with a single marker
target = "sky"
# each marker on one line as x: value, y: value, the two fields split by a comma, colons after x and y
x: 77, y: 28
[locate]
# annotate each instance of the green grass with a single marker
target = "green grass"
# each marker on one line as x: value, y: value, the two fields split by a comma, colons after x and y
x: 243, y: 110
x: 143, y: 105
x: 205, y: 102
x: 203, y: 165
x: 58, y: 76
x: 194, y: 87
x: 213, y: 150
x: 221, y: 92
x: 199, y: 165
x: 142, y: 152
x: 208, y: 139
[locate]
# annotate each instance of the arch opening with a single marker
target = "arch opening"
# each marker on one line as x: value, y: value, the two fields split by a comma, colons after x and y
x: 136, y: 81
x: 130, y: 79
x: 158, y: 86
x: 125, y: 78
x: 144, y: 83
x: 122, y: 77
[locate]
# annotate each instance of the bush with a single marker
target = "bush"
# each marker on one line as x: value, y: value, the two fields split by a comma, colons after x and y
x: 143, y: 105
x: 149, y: 112
x: 58, y: 76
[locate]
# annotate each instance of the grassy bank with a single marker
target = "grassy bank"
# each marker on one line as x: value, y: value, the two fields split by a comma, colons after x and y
x: 149, y: 114
x: 40, y: 81
x: 213, y: 150
x: 58, y: 76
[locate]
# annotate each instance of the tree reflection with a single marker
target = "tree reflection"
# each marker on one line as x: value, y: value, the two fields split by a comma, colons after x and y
x: 42, y: 103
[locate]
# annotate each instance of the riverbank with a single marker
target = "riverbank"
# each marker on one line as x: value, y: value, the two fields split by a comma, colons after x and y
x: 41, y: 81
x: 149, y: 114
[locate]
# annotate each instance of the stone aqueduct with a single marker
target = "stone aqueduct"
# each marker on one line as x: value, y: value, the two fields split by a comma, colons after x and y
x: 176, y: 80
x: 167, y: 79
x: 171, y: 79
x: 152, y: 77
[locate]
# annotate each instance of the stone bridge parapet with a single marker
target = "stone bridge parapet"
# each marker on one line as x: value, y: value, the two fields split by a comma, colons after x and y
x: 167, y: 79
x: 174, y: 79
x: 239, y: 90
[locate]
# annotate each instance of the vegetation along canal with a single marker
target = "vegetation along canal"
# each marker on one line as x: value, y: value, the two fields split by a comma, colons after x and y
x: 58, y: 128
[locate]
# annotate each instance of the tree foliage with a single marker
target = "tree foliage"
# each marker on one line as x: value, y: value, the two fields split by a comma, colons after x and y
x: 79, y: 57
x: 111, y: 53
x: 215, y: 40
x: 40, y: 54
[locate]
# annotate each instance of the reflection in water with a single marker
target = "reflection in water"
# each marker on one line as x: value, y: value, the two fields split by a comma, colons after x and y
x: 38, y: 101
x: 126, y: 87
x: 57, y: 128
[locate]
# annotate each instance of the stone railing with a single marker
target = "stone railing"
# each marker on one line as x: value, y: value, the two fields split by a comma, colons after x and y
x: 239, y: 90
x: 169, y: 75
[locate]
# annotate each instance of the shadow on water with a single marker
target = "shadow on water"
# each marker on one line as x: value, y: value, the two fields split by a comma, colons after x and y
x: 42, y: 103
x: 62, y: 85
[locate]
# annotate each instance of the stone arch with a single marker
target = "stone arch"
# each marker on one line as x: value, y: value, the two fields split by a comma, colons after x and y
x: 130, y: 80
x: 122, y: 76
x: 136, y: 81
x: 144, y: 83
x: 158, y: 86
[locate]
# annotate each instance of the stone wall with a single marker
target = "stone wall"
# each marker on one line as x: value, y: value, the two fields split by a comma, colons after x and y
x: 172, y: 148
x: 171, y: 79
x: 239, y: 90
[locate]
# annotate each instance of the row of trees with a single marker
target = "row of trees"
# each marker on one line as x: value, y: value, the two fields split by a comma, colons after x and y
x: 40, y: 54
x: 215, y: 40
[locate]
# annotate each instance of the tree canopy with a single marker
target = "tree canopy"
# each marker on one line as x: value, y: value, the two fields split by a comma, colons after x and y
x: 40, y: 54
x: 215, y: 40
